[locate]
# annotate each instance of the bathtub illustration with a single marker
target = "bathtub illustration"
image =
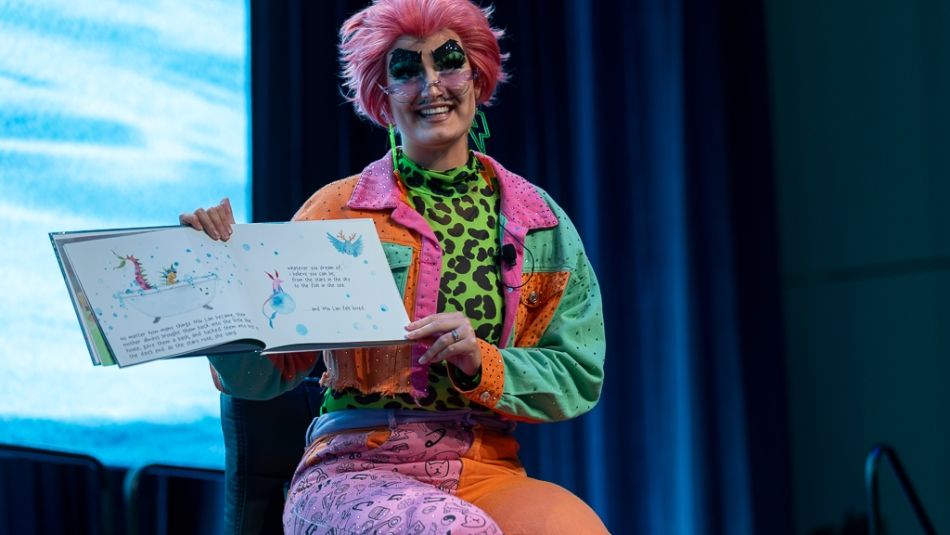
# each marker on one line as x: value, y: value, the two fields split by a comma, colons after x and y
x: 183, y: 296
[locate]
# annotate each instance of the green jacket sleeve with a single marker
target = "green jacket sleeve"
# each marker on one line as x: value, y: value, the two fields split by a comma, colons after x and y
x: 561, y: 378
x: 560, y: 375
x: 253, y: 376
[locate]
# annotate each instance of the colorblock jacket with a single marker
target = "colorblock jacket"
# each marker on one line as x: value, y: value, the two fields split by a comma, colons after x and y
x: 549, y: 366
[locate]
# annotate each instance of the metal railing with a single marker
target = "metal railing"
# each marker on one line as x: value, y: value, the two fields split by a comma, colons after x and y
x: 877, y: 453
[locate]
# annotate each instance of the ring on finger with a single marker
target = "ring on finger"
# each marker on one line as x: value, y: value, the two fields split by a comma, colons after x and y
x: 455, y: 335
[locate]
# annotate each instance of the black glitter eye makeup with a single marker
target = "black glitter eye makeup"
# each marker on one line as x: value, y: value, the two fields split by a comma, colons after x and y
x: 405, y: 64
x: 449, y: 56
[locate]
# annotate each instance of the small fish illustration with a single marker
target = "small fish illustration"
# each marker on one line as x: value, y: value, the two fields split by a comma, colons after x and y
x: 352, y: 245
x: 170, y: 275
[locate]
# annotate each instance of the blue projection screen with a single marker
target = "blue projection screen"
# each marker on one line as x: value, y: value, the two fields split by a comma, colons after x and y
x: 112, y: 114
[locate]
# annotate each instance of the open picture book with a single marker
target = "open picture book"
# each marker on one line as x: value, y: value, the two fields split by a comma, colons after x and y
x: 152, y: 293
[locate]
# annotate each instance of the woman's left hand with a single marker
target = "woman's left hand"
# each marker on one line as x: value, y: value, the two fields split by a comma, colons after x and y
x: 455, y: 340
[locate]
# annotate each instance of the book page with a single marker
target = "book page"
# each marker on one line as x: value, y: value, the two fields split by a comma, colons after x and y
x: 163, y: 293
x: 95, y: 342
x: 321, y: 284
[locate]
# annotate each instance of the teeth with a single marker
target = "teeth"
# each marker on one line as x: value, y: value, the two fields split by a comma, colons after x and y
x: 434, y: 111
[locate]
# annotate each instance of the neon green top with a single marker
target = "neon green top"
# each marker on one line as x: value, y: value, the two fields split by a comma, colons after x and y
x: 462, y: 210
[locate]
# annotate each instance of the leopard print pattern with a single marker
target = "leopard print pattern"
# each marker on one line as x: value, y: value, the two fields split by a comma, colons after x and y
x: 462, y: 209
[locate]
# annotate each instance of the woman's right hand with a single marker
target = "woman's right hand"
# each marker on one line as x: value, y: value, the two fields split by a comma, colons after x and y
x: 215, y: 221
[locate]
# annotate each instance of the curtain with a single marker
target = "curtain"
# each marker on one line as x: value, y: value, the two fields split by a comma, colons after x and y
x: 647, y: 120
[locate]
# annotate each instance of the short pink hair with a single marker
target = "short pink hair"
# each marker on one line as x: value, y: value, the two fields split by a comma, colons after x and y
x: 367, y: 36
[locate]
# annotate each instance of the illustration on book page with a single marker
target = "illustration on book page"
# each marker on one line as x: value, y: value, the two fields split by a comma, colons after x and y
x: 279, y: 301
x: 169, y: 295
x: 352, y: 245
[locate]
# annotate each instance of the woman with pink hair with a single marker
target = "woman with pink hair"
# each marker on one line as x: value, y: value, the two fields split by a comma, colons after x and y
x: 507, y: 320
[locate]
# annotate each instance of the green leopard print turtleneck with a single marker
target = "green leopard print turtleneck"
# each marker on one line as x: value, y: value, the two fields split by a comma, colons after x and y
x: 462, y: 210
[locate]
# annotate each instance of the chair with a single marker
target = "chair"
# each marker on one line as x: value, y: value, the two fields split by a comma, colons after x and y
x: 263, y: 443
x: 45, y: 491
x: 162, y: 499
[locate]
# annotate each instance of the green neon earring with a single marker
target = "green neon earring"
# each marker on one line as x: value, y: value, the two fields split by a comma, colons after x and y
x: 392, y: 145
x: 479, y: 130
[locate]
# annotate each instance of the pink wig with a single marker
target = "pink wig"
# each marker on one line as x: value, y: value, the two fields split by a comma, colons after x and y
x: 367, y: 36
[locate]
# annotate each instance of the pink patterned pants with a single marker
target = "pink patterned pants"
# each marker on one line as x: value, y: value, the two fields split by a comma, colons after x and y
x: 368, y: 482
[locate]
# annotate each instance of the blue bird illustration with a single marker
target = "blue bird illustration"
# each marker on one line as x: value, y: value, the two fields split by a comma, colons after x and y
x: 352, y: 246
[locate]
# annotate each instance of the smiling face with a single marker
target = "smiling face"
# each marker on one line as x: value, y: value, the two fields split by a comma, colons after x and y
x: 433, y: 123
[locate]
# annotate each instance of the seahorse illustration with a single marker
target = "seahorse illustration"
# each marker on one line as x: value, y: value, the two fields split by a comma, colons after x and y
x: 279, y: 301
x: 140, y: 278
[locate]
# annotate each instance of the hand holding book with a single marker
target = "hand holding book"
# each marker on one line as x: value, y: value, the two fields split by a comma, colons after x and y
x: 216, y: 221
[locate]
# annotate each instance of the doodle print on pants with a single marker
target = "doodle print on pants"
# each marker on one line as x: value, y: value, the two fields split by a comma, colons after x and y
x: 404, y: 485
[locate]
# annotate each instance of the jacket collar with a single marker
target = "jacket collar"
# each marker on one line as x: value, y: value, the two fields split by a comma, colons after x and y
x: 520, y: 202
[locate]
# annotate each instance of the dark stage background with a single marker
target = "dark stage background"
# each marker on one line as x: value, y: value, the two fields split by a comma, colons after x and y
x: 695, y: 144
x: 648, y: 122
